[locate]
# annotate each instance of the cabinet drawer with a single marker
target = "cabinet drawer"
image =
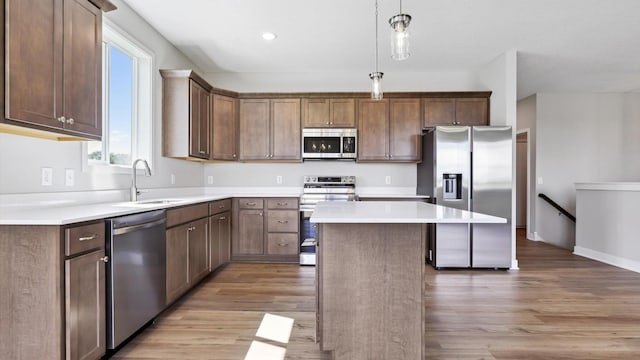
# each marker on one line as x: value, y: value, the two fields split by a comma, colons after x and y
x: 187, y: 213
x: 282, y: 244
x: 218, y: 206
x: 283, y: 203
x: 250, y: 203
x: 282, y: 221
x: 83, y: 238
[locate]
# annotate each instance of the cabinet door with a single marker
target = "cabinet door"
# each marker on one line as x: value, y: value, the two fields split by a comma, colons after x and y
x: 224, y: 128
x: 198, y: 250
x: 224, y: 234
x: 343, y: 113
x: 285, y: 130
x: 85, y: 307
x: 439, y: 111
x: 220, y: 239
x: 83, y: 67
x: 373, y: 130
x: 34, y: 61
x: 177, y: 262
x: 472, y: 111
x: 250, y: 240
x: 315, y: 113
x: 254, y: 129
x: 198, y: 121
x: 404, y: 130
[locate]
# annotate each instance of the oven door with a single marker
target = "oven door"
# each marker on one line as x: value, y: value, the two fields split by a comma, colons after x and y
x: 307, y: 238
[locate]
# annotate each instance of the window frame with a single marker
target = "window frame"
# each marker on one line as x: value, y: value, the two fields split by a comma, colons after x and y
x: 142, y: 106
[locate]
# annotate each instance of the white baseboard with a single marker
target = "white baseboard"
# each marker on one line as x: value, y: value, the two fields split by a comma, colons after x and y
x: 621, y: 262
x: 514, y: 264
x: 534, y: 236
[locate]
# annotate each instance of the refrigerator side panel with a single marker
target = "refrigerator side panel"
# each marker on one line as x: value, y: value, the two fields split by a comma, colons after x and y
x: 425, y: 169
x: 491, y: 194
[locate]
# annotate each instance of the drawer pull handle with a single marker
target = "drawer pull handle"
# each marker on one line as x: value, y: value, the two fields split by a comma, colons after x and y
x: 283, y: 244
x: 104, y: 259
x: 223, y: 218
x: 251, y: 204
x: 201, y: 152
x: 283, y: 204
x: 191, y: 228
x: 283, y: 221
x: 221, y: 207
x: 87, y: 238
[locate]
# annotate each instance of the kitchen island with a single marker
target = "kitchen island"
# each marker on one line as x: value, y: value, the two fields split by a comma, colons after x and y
x: 370, y: 276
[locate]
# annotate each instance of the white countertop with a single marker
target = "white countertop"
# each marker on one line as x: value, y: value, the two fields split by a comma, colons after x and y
x: 395, y: 212
x: 609, y: 186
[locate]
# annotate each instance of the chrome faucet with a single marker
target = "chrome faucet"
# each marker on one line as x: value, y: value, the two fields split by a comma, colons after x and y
x: 147, y: 172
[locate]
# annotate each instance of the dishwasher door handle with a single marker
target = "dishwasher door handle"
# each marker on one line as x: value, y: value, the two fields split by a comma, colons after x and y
x: 129, y: 229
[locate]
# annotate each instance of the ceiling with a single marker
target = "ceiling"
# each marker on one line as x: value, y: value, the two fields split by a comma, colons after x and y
x: 562, y: 45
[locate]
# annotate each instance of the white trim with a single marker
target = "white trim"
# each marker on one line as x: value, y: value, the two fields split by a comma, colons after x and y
x: 609, y: 186
x: 514, y: 264
x: 534, y: 236
x: 621, y: 262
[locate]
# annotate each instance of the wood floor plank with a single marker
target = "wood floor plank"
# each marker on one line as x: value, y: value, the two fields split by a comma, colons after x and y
x: 557, y: 306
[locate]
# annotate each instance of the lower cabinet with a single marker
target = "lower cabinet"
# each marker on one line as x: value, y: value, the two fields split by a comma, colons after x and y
x: 187, y: 248
x: 220, y: 239
x: 85, y: 308
x: 265, y: 229
x: 52, y: 298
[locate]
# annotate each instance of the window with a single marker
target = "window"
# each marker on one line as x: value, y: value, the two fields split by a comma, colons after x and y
x: 126, y: 102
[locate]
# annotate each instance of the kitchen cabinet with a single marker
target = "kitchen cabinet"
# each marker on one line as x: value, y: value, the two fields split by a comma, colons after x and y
x: 224, y: 126
x: 187, y: 240
x: 265, y: 229
x: 328, y: 113
x: 270, y: 129
x: 455, y: 111
x: 186, y: 115
x: 389, y: 130
x: 220, y: 235
x: 54, y: 68
x: 53, y: 307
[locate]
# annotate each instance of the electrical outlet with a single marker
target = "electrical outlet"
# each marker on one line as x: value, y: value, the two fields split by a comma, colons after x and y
x: 279, y: 179
x: 46, y: 176
x: 540, y: 180
x: 210, y: 179
x: 387, y: 179
x: 69, y: 177
x: 173, y: 179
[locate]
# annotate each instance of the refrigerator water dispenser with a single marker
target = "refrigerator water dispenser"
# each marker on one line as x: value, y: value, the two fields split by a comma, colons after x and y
x: 452, y: 186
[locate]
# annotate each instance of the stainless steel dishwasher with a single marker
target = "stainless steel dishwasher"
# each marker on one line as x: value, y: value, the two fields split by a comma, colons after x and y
x: 136, y: 273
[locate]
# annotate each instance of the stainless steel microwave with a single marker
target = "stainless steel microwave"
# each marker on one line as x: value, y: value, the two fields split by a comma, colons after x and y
x: 329, y: 143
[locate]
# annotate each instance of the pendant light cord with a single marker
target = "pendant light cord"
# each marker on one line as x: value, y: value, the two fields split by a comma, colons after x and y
x: 400, y: 6
x: 376, y: 36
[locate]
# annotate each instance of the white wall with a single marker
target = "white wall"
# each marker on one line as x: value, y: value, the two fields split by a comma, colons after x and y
x: 582, y: 138
x: 526, y: 119
x: 21, y: 158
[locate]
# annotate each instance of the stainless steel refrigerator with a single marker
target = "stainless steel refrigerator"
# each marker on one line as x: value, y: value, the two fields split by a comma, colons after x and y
x: 469, y: 168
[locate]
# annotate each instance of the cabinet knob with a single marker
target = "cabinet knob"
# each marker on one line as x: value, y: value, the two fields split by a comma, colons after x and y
x: 260, y: 214
x: 390, y: 155
x: 234, y: 155
x: 267, y: 156
x: 62, y: 119
x: 104, y: 259
x: 70, y: 121
x: 328, y: 123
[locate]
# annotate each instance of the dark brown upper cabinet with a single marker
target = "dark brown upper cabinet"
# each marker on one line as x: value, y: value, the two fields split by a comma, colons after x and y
x: 327, y: 113
x: 225, y: 127
x: 54, y: 68
x: 270, y: 129
x: 455, y: 111
x: 186, y: 115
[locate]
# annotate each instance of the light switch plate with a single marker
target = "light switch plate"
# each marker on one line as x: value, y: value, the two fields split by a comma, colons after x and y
x: 210, y: 179
x: 279, y: 179
x: 387, y: 179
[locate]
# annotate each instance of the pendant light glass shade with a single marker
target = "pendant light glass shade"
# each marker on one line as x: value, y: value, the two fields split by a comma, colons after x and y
x: 376, y: 85
x: 400, y: 36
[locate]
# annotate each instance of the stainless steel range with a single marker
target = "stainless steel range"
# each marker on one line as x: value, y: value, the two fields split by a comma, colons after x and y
x: 317, y: 189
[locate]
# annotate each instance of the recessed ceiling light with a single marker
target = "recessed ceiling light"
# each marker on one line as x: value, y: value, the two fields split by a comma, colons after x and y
x: 269, y: 36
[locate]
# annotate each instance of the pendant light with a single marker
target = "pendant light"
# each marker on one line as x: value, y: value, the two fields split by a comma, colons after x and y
x: 400, y: 35
x: 376, y: 77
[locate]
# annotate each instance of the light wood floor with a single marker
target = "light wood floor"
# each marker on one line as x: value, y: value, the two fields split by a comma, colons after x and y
x: 557, y: 306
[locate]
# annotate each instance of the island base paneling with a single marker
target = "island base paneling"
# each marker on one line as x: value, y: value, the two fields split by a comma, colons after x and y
x: 369, y: 290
